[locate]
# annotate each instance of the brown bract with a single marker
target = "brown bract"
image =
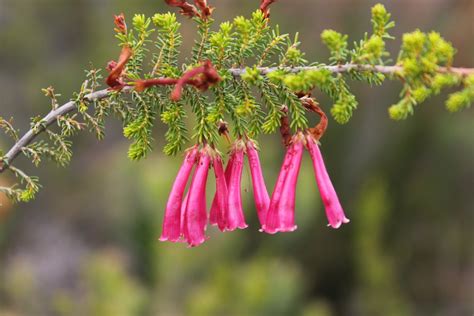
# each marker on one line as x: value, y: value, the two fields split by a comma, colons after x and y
x: 201, y: 77
x: 205, y: 9
x: 116, y: 69
x: 204, y: 76
x: 264, y: 6
x: 186, y: 9
x: 285, y: 129
x: 318, y: 131
x: 119, y: 21
x: 142, y: 85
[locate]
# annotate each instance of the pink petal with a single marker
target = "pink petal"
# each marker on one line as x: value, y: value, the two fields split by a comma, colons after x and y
x: 172, y: 220
x: 196, y: 215
x: 220, y: 203
x: 286, y: 207
x: 272, y: 221
x: 260, y: 193
x: 334, y: 211
x: 281, y: 214
x: 184, y: 236
x: 235, y: 215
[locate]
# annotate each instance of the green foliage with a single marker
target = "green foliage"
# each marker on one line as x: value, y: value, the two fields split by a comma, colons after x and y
x: 381, y: 21
x: 462, y: 99
x: 176, y: 135
x: 422, y: 57
x: 337, y: 44
x: 262, y: 73
x: 140, y: 127
x: 168, y: 42
x: 31, y: 187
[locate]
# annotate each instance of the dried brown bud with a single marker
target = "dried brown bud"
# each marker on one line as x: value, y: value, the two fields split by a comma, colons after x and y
x: 186, y: 9
x: 205, y: 9
x: 119, y: 21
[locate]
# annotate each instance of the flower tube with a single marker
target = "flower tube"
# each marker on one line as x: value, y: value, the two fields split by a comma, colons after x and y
x: 286, y: 207
x: 260, y: 193
x: 272, y: 220
x: 235, y: 215
x: 334, y: 211
x: 281, y: 214
x: 219, y: 206
x: 196, y: 215
x: 172, y: 220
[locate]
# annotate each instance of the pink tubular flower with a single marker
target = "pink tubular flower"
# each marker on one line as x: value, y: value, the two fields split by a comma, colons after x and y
x: 235, y: 215
x: 184, y: 237
x: 260, y: 193
x: 281, y: 213
x: 334, y: 211
x: 172, y: 222
x: 195, y: 213
x: 218, y: 214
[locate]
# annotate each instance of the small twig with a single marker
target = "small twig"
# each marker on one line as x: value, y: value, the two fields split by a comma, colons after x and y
x: 49, y: 119
x: 388, y: 70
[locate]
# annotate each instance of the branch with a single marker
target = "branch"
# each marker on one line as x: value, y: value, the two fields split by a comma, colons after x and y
x: 49, y: 119
x: 52, y: 116
x: 388, y: 70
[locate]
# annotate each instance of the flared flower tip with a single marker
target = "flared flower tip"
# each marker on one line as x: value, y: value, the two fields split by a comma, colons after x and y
x: 273, y: 231
x: 197, y: 242
x: 339, y: 223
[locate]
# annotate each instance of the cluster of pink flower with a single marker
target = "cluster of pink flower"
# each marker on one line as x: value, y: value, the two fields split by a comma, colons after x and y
x: 186, y: 218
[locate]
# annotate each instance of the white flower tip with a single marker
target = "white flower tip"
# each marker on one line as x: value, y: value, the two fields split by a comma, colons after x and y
x: 335, y: 225
x: 197, y: 243
x: 288, y: 229
x: 164, y: 238
x: 243, y: 226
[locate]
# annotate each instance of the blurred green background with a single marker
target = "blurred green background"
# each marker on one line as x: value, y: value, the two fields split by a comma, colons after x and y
x: 88, y: 244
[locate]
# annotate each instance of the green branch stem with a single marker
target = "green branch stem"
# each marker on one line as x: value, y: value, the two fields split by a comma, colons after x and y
x: 71, y: 106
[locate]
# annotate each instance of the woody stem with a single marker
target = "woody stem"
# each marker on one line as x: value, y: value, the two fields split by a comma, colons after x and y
x: 71, y: 106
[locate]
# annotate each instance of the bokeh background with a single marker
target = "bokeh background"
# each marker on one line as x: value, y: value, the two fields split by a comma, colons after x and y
x: 87, y: 245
